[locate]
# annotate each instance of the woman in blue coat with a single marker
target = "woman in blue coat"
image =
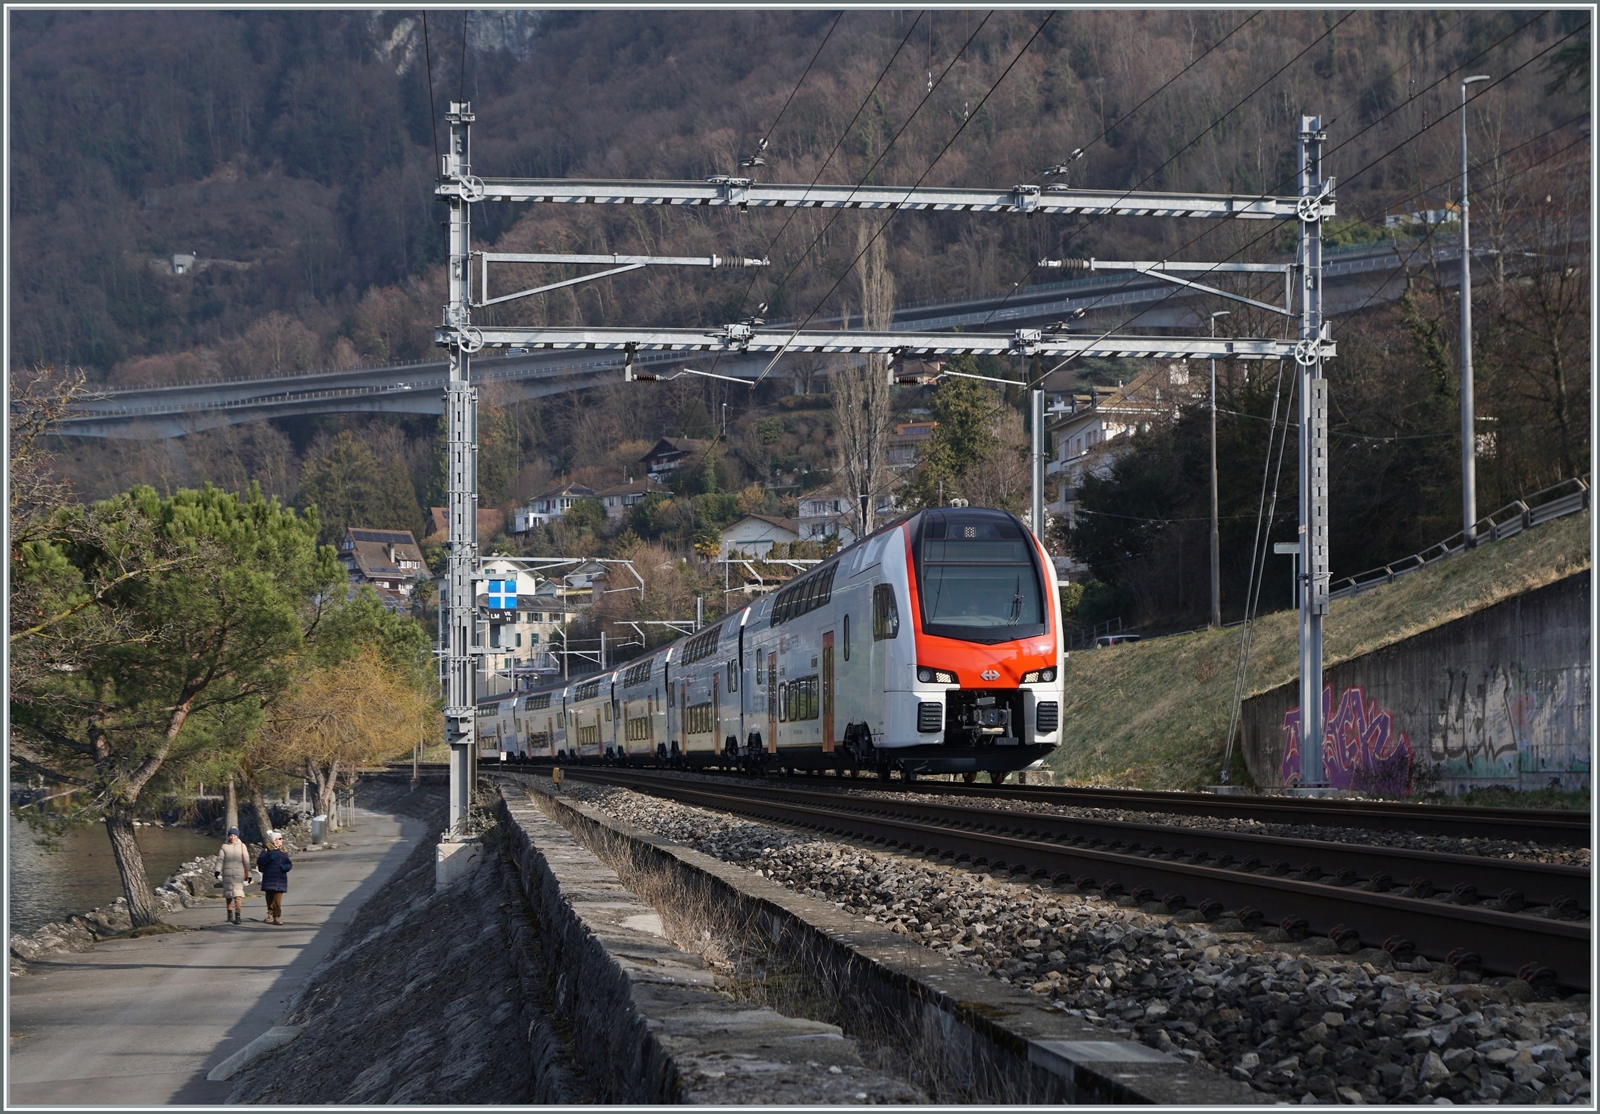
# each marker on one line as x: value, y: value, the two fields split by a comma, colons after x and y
x: 274, y: 864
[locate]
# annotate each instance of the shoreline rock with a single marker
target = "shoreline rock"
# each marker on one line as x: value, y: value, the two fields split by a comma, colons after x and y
x: 191, y: 884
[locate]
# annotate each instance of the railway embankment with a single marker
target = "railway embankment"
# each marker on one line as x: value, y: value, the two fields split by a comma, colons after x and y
x: 944, y: 1026
x: 1155, y: 714
x: 1293, y: 1019
x: 652, y: 1022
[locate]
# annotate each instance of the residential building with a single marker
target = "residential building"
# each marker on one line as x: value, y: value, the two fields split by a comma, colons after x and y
x: 828, y: 513
x: 754, y: 535
x: 438, y: 525
x: 520, y: 625
x: 580, y: 585
x: 670, y: 454
x: 389, y: 560
x: 549, y: 507
x: 906, y: 445
x: 619, y: 499
x: 1091, y: 429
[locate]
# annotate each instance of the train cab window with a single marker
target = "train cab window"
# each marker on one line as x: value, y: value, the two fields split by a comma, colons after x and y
x: 847, y: 638
x: 733, y: 677
x: 885, y: 614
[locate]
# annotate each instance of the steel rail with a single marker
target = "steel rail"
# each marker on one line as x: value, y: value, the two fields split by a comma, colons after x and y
x: 1526, y: 824
x: 1538, y: 883
x: 1505, y: 942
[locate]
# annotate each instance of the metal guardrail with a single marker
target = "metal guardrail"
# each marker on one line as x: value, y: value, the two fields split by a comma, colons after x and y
x: 1082, y: 639
x: 1564, y: 498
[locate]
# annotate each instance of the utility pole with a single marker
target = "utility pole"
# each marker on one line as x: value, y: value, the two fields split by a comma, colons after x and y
x: 1469, y: 461
x: 1036, y: 419
x: 1312, y: 588
x: 1216, y: 538
x: 461, y: 463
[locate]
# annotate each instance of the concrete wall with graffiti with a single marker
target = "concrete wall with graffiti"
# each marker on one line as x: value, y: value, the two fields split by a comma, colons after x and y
x: 1499, y: 697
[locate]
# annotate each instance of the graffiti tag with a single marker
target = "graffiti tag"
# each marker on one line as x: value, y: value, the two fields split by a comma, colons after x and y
x: 1361, y: 748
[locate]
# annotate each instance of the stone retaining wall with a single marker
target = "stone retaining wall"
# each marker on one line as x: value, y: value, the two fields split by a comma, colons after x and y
x: 648, y: 1023
x: 1500, y: 697
x: 968, y: 1039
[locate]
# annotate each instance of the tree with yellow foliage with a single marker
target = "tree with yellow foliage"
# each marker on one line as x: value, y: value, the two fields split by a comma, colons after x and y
x: 341, y: 716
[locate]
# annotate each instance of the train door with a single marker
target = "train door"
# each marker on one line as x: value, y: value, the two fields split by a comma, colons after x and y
x: 827, y: 692
x: 772, y: 703
x: 716, y: 711
x: 741, y: 681
x: 683, y: 717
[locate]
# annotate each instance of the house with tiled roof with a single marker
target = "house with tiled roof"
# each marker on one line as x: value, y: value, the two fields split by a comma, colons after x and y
x: 755, y: 534
x: 549, y: 507
x: 619, y: 499
x: 670, y: 454
x: 389, y: 560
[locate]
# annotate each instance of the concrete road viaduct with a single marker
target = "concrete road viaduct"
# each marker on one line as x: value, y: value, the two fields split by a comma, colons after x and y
x: 1354, y: 277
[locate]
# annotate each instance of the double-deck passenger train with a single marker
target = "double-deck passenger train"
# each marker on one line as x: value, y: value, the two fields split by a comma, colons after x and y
x: 931, y: 646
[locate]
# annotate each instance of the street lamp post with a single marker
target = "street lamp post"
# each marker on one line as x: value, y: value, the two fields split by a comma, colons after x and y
x: 1469, y: 465
x: 1216, y: 542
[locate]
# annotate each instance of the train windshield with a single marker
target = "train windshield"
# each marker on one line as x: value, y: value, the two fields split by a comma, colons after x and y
x: 978, y: 578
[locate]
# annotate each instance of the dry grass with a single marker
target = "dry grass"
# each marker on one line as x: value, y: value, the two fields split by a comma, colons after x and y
x: 1154, y: 715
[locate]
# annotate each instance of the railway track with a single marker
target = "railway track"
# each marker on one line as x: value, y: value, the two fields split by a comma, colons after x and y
x: 1548, y: 827
x: 1543, y: 826
x: 1357, y: 895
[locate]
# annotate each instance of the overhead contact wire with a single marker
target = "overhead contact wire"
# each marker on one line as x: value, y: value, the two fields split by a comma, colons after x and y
x: 1245, y: 247
x: 843, y: 135
x: 956, y: 135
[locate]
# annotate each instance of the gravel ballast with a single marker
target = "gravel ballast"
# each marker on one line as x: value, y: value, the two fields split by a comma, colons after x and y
x: 1482, y: 846
x: 1286, y: 1017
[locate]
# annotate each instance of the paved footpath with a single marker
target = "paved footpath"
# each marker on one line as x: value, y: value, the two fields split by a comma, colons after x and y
x: 141, y: 1022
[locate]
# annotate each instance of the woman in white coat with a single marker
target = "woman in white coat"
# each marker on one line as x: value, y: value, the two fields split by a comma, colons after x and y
x: 233, y: 871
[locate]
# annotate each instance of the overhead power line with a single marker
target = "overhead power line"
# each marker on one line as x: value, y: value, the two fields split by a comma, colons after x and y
x: 1415, y: 135
x: 433, y: 115
x: 1281, y: 183
x: 815, y: 178
x: 1174, y: 157
x: 954, y: 136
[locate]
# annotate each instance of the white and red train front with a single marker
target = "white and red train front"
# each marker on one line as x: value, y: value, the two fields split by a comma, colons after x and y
x: 932, y: 646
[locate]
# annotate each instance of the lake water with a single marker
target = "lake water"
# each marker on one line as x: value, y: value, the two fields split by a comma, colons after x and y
x: 51, y: 885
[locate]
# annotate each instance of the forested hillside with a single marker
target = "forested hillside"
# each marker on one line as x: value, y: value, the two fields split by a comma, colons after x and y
x: 293, y: 154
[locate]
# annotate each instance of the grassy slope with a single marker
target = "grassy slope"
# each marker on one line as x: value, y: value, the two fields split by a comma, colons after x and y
x: 1155, y: 715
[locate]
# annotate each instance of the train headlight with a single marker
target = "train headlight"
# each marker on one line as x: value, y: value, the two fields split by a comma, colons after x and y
x: 935, y: 676
x: 1038, y: 675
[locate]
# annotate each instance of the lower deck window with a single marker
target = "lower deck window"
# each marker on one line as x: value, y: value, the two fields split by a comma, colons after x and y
x: 799, y: 699
x: 697, y: 720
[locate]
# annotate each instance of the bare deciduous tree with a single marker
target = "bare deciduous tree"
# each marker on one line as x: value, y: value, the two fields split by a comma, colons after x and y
x: 861, y: 392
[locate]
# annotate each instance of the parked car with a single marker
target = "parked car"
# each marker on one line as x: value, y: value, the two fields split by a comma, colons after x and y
x: 1114, y: 639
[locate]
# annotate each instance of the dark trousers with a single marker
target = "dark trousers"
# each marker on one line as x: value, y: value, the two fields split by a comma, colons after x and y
x: 275, y: 904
